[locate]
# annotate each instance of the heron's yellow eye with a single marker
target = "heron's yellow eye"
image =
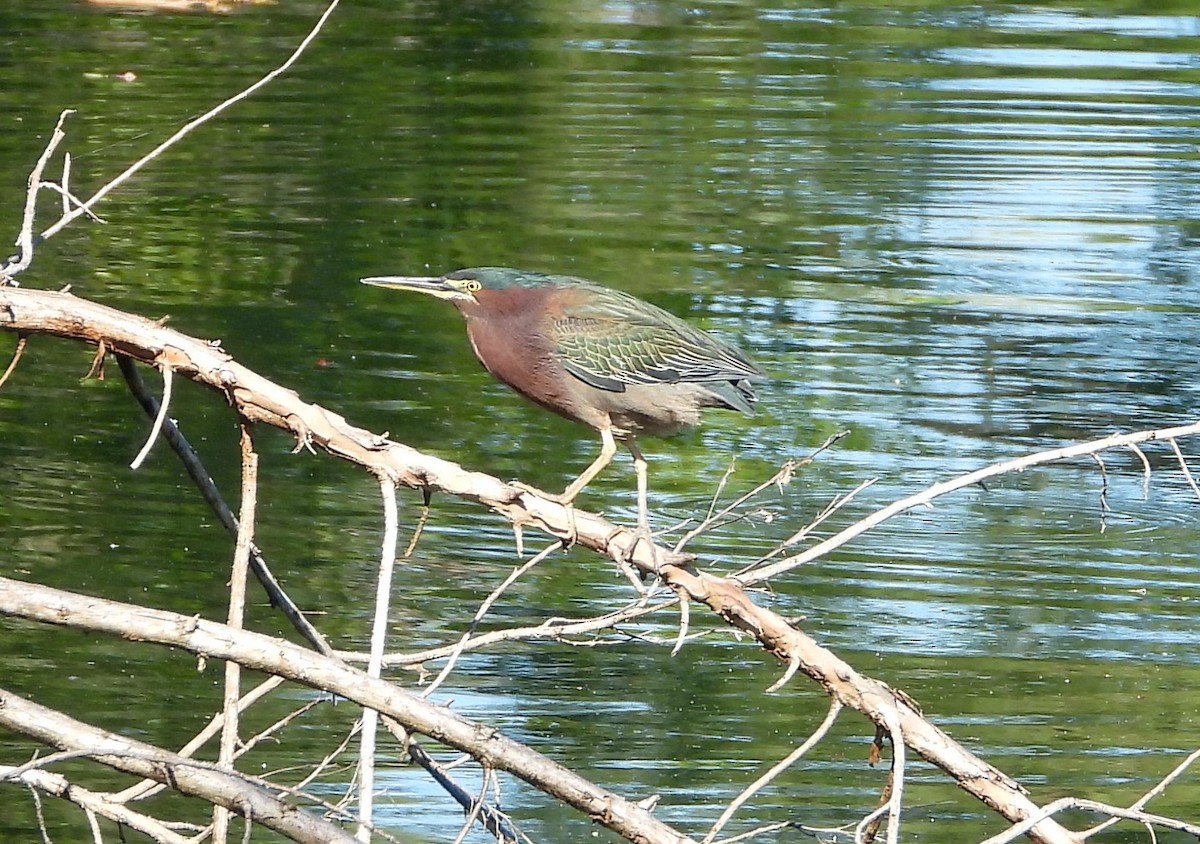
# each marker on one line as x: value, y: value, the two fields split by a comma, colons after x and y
x: 471, y: 285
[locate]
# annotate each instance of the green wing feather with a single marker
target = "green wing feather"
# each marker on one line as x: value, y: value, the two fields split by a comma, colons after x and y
x: 612, y: 339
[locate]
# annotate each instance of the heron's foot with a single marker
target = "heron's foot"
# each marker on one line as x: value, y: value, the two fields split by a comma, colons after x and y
x: 636, y: 576
x: 571, y: 535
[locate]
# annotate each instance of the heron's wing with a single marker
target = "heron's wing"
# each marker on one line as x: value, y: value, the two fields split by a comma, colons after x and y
x: 612, y: 340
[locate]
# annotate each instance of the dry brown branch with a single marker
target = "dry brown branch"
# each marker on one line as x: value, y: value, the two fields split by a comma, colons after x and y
x: 263, y: 653
x: 260, y: 400
x: 870, y: 697
x: 85, y: 208
x: 280, y: 598
x: 224, y: 788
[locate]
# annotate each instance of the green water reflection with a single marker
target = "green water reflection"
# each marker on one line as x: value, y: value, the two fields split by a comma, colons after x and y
x: 963, y: 232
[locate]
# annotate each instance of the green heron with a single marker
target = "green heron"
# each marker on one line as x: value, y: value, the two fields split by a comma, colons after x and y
x: 594, y: 355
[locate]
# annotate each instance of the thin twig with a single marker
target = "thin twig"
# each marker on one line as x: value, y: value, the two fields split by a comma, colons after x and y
x: 96, y: 370
x: 1187, y: 473
x: 757, y: 831
x: 145, y: 788
x: 863, y: 829
x: 896, y: 800
x: 712, y: 505
x: 370, y: 718
x: 482, y: 611
x: 494, y: 821
x: 22, y: 341
x: 25, y: 238
x: 101, y: 804
x: 41, y: 817
x: 476, y: 806
x: 168, y: 376
x: 419, y: 528
x: 1104, y: 508
x: 94, y: 825
x: 38, y: 763
x: 65, y: 188
x: 781, y: 478
x: 793, y: 667
x: 248, y: 744
x: 1075, y: 803
x: 685, y: 605
x: 556, y: 629
x: 1158, y: 789
x: 832, y: 507
x: 327, y: 761
x: 930, y: 493
x: 236, y: 619
x: 835, y: 706
x: 68, y: 197
x: 191, y: 125
x: 1145, y: 469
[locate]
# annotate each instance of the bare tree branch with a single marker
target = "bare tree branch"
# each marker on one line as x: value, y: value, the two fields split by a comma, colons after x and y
x: 275, y: 656
x: 101, y: 804
x: 224, y: 788
x: 379, y: 626
x: 929, y: 494
x: 236, y: 618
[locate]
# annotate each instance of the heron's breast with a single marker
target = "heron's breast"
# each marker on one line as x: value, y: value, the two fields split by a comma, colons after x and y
x: 515, y: 347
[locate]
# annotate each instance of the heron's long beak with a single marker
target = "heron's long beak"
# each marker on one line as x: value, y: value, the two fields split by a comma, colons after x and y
x: 421, y: 284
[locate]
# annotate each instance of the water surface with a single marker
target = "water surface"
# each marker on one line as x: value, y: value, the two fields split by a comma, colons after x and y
x: 964, y: 233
